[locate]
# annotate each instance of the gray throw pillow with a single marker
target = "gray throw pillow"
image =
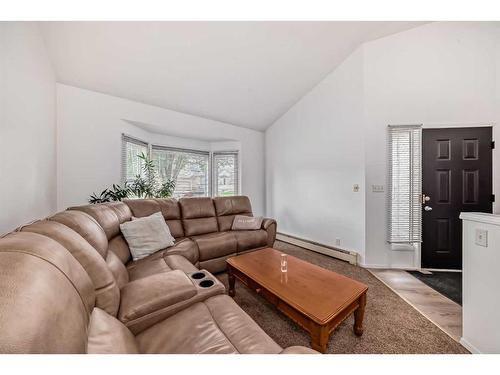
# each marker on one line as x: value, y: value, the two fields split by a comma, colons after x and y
x: 241, y: 222
x: 147, y: 235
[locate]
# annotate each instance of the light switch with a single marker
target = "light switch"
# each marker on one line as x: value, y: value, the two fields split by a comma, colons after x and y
x: 482, y: 237
x: 378, y: 188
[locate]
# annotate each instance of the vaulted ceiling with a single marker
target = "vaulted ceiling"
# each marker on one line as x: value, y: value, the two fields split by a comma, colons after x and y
x: 243, y: 73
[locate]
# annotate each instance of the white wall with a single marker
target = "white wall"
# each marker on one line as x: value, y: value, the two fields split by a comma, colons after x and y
x: 27, y: 126
x: 314, y: 156
x: 90, y: 125
x: 439, y: 74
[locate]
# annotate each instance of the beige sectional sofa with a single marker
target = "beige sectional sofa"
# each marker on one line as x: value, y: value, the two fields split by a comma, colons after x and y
x: 69, y: 284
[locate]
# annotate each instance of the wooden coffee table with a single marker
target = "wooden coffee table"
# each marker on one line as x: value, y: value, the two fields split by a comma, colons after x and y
x: 316, y: 299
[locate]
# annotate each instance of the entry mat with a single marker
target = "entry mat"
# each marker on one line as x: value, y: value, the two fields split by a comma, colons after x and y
x: 448, y: 284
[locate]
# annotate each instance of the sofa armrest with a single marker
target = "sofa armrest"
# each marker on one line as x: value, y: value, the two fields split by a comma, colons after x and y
x: 298, y: 350
x: 172, y: 291
x: 270, y: 226
x: 187, y: 248
x: 149, y: 294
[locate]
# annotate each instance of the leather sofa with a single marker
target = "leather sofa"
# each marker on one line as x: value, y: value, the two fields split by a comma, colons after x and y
x: 68, y: 284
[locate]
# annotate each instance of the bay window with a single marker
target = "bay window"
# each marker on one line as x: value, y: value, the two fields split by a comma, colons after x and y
x: 196, y: 173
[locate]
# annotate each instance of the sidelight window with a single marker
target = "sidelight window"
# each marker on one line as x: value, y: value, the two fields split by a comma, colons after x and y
x: 405, y: 184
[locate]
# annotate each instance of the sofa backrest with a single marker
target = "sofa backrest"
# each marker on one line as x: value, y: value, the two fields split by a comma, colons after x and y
x: 83, y: 221
x: 106, y: 288
x: 110, y: 216
x: 227, y: 207
x: 198, y: 216
x: 168, y: 207
x: 46, y: 296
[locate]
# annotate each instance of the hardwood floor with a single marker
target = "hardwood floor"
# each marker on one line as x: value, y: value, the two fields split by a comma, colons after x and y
x: 443, y: 312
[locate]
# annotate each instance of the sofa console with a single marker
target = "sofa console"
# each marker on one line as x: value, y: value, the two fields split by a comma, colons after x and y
x: 149, y: 300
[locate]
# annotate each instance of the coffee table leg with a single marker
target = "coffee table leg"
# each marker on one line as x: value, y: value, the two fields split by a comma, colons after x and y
x: 359, y: 315
x: 231, y: 280
x: 319, y: 338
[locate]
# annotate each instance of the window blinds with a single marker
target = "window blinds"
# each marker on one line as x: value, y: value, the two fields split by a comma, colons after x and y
x: 226, y: 174
x: 405, y: 184
x: 131, y: 163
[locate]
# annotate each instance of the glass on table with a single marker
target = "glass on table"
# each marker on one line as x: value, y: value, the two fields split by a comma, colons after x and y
x: 284, y: 263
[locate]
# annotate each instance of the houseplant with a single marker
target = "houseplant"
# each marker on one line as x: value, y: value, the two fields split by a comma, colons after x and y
x: 145, y: 185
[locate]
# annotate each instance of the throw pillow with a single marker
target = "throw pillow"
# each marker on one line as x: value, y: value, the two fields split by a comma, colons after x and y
x: 241, y: 222
x: 147, y: 235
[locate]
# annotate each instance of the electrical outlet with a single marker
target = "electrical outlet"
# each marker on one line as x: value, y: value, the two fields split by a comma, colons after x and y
x: 378, y: 188
x: 482, y: 237
x: 337, y: 241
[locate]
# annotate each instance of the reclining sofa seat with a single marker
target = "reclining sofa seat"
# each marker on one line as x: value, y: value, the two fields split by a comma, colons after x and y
x: 48, y: 306
x: 109, y: 216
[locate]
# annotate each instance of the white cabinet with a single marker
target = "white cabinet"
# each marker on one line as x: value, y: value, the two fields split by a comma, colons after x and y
x: 481, y: 282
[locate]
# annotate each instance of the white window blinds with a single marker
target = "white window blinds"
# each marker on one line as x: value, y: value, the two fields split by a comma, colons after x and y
x: 131, y: 163
x: 188, y: 168
x: 405, y: 184
x: 225, y: 167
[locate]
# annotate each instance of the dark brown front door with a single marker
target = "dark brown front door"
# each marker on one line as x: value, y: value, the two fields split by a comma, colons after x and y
x: 457, y: 177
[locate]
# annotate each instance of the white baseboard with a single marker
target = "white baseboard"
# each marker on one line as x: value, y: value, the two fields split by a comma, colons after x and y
x: 467, y: 345
x: 346, y: 255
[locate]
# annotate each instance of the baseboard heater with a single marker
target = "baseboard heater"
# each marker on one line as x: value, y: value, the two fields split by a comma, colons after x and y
x: 348, y: 256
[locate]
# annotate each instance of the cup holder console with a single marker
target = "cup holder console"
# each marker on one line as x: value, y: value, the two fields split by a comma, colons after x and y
x: 203, y: 279
x: 206, y: 283
x: 198, y: 275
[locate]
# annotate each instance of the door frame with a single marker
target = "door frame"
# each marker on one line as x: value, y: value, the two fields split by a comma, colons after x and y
x: 496, y: 184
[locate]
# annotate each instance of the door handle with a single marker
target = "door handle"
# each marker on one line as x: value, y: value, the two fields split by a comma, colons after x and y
x: 428, y: 208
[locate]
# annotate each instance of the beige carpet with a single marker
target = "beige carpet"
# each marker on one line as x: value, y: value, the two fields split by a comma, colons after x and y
x: 391, y: 325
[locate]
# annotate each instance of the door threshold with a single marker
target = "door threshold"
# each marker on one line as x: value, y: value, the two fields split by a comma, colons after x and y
x: 426, y: 270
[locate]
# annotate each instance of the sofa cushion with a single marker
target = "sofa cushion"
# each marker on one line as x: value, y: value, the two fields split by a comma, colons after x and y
x: 107, y: 335
x: 250, y: 239
x: 104, y: 215
x: 86, y: 226
x: 168, y: 207
x: 216, y: 325
x: 146, y: 267
x: 187, y: 248
x: 232, y: 205
x: 227, y: 207
x: 198, y: 216
x: 117, y: 268
x: 158, y: 263
x: 119, y: 246
x: 148, y: 295
x: 215, y: 245
x: 147, y: 235
x: 178, y: 262
x: 193, y: 227
x: 121, y: 210
x: 215, y: 265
